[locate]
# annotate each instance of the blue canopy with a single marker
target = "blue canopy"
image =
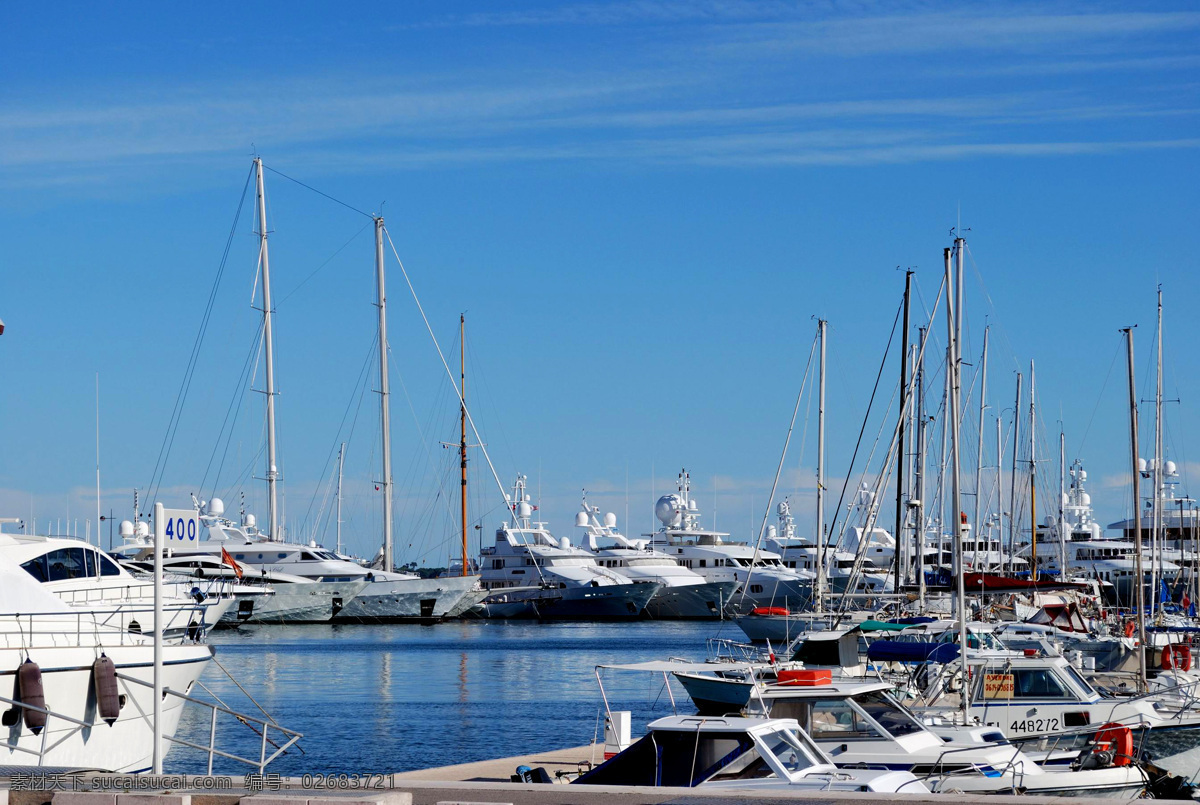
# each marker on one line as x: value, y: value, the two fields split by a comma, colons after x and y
x: 895, y: 651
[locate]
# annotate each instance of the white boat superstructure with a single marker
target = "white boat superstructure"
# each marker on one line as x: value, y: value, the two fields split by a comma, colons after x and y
x: 684, y: 593
x: 801, y: 553
x: 85, y: 577
x: 760, y: 574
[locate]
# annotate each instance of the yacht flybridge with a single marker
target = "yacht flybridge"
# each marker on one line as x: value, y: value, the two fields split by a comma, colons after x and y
x: 529, y: 573
x: 760, y: 575
x: 85, y: 578
x: 684, y: 594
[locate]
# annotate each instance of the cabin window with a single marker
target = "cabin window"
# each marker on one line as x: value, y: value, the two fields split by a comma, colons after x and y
x: 1037, y: 683
x: 887, y: 714
x: 284, y: 556
x: 516, y: 572
x: 305, y: 556
x: 835, y: 719
x: 65, y: 563
x: 756, y: 588
x: 37, y: 568
x: 107, y: 566
x: 497, y: 564
x: 701, y: 563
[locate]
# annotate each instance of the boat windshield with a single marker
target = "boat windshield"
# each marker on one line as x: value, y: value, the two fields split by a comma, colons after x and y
x: 1081, y: 682
x: 889, y: 715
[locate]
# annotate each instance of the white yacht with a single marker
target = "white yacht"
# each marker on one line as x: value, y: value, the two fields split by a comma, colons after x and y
x: 84, y: 577
x: 768, y: 756
x: 69, y: 650
x: 531, y: 574
x: 350, y: 592
x: 684, y: 594
x: 760, y: 574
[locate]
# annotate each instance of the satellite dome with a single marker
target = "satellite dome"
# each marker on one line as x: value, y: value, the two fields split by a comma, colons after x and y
x: 216, y: 507
x: 142, y: 529
x: 782, y: 509
x: 667, y: 510
x: 1169, y: 467
x: 772, y: 532
x: 126, y: 529
x: 581, y: 519
x: 564, y: 543
x: 249, y: 521
x: 610, y: 520
x: 1142, y: 465
x: 524, y: 510
x: 1087, y: 499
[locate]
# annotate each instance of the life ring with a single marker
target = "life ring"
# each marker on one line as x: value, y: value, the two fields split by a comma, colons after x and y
x: 1130, y: 628
x: 1177, y: 656
x: 1118, y: 739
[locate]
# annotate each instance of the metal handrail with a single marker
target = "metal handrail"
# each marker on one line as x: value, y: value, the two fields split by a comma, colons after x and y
x: 263, y: 759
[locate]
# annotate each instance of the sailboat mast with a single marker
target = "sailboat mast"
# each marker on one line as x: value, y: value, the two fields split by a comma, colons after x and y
x: 384, y: 398
x: 922, y: 450
x: 901, y: 457
x: 1156, y: 551
x: 268, y: 354
x: 1032, y: 476
x: 341, y: 455
x: 462, y: 421
x: 1062, y: 496
x: 1012, y: 478
x: 975, y: 521
x: 820, y: 556
x: 952, y: 372
x: 1139, y: 586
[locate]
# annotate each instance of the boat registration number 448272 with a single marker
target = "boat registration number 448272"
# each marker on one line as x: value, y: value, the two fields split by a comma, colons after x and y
x: 1034, y: 725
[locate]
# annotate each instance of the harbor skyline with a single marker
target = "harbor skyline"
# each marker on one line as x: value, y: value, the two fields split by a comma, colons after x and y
x: 640, y: 234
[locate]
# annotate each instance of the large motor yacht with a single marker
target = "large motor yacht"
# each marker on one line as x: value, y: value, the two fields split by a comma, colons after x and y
x: 685, y: 594
x: 760, y: 574
x: 531, y: 574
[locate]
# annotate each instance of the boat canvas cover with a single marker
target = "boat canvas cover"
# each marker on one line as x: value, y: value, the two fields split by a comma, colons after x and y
x: 829, y: 649
x: 21, y: 593
x: 1064, y: 617
x: 896, y: 651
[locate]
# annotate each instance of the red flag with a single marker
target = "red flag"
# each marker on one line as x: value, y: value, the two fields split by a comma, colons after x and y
x: 1185, y: 602
x: 226, y: 559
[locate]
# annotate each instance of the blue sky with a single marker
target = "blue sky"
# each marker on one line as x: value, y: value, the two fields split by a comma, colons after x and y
x: 641, y: 206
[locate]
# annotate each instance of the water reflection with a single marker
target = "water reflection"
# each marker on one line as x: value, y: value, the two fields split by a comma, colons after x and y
x: 428, y: 696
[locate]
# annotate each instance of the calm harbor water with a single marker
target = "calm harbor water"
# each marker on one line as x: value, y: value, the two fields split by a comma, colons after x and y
x: 379, y: 699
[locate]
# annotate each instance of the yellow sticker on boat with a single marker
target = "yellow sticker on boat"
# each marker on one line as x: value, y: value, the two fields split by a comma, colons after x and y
x: 997, y: 686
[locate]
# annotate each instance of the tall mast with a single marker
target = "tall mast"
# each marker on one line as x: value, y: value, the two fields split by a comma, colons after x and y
x: 1062, y: 493
x: 1032, y: 476
x: 901, y: 458
x: 1156, y: 550
x: 384, y: 398
x: 341, y: 454
x: 1139, y: 587
x: 1012, y: 478
x: 975, y: 521
x: 922, y: 445
x: 462, y: 421
x: 952, y: 372
x: 268, y: 353
x: 820, y: 557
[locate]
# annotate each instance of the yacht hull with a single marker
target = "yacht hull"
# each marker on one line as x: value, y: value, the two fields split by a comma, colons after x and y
x: 692, y: 602
x: 127, y: 745
x: 607, y: 603
x: 406, y: 600
x: 306, y: 602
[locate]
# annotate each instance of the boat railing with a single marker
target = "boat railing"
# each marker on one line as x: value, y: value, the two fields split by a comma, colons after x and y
x: 45, y: 747
x: 724, y: 649
x: 286, y: 738
x: 24, y: 628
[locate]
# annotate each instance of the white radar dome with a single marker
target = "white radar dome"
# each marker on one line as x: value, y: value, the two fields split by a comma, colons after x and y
x: 142, y: 529
x: 524, y: 510
x: 782, y: 509
x: 1142, y: 465
x: 667, y: 510
x: 564, y: 542
x: 581, y: 520
x: 126, y: 529
x: 1087, y: 499
x: 249, y: 521
x: 610, y: 520
x: 772, y: 531
x: 1169, y: 468
x: 216, y: 507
